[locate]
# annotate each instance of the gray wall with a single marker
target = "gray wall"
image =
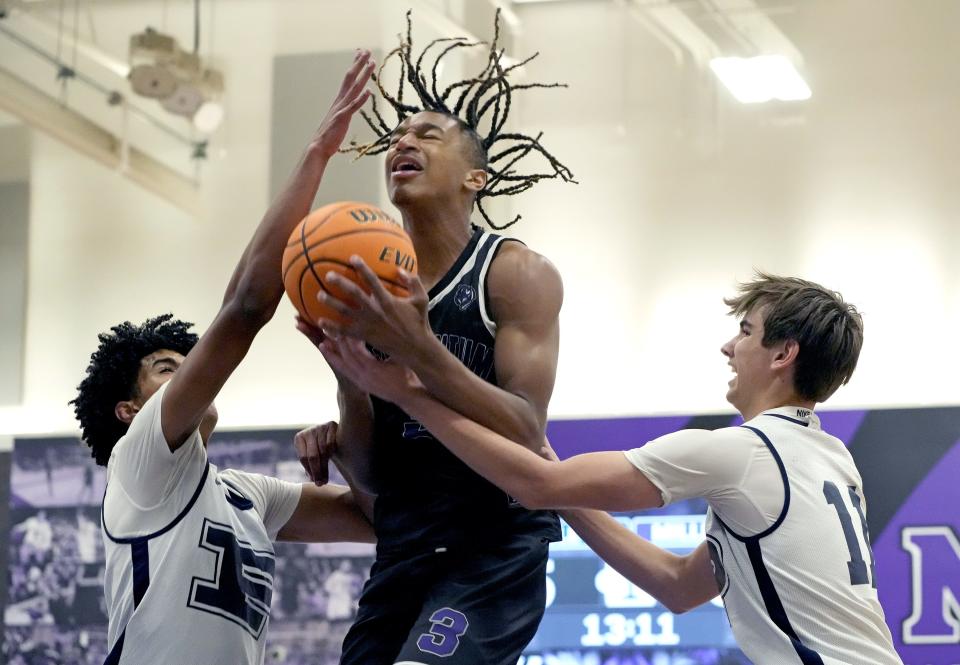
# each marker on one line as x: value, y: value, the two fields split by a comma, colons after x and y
x: 14, y: 222
x: 303, y: 87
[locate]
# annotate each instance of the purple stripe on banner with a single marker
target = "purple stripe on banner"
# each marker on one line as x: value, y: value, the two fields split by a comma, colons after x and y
x: 841, y: 424
x: 918, y: 568
x: 572, y: 437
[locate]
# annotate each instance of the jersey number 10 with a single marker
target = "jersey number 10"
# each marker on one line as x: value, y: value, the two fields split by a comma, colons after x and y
x: 857, y: 566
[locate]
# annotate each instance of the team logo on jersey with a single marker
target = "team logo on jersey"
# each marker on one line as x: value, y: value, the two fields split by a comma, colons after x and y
x: 464, y: 296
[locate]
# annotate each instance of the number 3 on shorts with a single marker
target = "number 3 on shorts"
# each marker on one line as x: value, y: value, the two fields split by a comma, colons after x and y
x: 444, y: 637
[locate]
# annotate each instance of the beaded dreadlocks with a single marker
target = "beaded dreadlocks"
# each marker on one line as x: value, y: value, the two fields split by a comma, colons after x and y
x: 486, y: 97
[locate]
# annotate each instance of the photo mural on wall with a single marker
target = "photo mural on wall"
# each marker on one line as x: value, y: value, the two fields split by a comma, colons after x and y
x: 909, y: 460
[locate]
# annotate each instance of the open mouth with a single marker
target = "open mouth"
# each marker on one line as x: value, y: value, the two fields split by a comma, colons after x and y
x: 405, y: 167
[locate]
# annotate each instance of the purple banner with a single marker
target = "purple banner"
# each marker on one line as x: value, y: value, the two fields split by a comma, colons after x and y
x: 918, y: 565
x: 572, y: 437
x: 909, y: 460
x: 917, y: 551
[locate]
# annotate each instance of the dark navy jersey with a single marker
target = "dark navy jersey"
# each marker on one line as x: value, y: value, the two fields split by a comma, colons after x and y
x: 427, y: 497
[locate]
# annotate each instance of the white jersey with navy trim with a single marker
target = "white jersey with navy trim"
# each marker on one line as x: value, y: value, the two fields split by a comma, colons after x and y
x: 787, y: 535
x: 189, y: 553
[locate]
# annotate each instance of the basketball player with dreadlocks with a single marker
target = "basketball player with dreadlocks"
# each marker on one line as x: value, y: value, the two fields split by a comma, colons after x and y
x: 460, y: 571
x: 189, y: 553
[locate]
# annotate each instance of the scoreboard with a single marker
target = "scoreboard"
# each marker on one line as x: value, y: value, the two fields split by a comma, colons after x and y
x: 591, y: 606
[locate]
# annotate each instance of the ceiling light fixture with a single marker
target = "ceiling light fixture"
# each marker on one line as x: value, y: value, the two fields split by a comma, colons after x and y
x: 161, y: 70
x: 761, y: 79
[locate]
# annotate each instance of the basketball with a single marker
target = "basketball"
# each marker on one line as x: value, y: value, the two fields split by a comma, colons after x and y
x: 326, y: 239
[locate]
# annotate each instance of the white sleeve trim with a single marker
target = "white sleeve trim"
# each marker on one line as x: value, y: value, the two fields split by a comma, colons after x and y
x: 286, y: 507
x: 275, y: 500
x: 489, y: 323
x: 467, y: 267
x: 637, y: 461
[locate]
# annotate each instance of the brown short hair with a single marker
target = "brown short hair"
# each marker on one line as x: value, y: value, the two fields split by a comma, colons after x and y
x: 828, y: 330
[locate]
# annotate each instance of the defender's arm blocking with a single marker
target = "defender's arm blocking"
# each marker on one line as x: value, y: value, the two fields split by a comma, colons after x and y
x: 327, y: 514
x: 255, y: 288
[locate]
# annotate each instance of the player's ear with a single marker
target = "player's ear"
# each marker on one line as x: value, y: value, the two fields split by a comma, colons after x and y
x: 476, y: 179
x: 786, y: 354
x: 125, y: 411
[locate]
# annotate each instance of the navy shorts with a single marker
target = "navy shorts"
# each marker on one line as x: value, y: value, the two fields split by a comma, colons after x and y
x: 480, y: 607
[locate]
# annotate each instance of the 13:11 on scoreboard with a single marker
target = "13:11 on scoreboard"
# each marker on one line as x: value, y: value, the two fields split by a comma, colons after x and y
x: 615, y: 629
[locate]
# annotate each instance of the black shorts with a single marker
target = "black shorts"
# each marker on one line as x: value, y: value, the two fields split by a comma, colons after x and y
x: 480, y: 607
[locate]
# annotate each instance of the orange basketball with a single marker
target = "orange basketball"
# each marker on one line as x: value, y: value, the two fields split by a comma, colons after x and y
x: 326, y: 239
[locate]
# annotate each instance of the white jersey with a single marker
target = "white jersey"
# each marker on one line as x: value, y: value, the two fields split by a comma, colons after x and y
x: 787, y: 534
x: 189, y: 553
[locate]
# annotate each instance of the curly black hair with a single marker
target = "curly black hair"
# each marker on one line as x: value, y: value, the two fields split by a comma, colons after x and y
x: 481, y: 101
x: 112, y: 374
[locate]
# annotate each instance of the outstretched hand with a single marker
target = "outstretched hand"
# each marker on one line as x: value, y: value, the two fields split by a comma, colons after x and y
x: 352, y: 95
x: 386, y: 379
x: 395, y: 325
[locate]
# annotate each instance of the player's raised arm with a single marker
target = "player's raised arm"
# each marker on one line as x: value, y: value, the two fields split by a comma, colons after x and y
x: 255, y: 288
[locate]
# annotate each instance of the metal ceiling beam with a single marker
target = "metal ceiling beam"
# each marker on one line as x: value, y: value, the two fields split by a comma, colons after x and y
x: 33, y: 23
x: 673, y: 21
x: 43, y: 113
x: 742, y: 21
x: 745, y: 19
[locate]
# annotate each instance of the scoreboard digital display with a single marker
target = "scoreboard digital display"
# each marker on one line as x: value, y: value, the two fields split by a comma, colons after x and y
x: 590, y: 606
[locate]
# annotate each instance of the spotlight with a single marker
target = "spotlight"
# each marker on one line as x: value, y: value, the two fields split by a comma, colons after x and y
x: 208, y: 117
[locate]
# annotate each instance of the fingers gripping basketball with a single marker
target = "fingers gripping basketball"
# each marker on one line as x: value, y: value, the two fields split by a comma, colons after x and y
x: 326, y: 239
